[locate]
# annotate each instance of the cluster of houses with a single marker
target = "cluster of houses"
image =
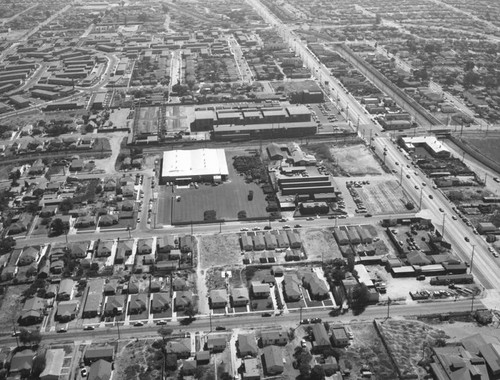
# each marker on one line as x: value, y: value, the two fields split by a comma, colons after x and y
x: 98, y: 361
x: 268, y: 241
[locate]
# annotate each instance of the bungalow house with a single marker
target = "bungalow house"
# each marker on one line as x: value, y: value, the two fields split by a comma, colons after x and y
x: 165, y: 244
x: 114, y: 305
x: 67, y: 311
x: 56, y: 266
x: 65, y: 289
x: 165, y: 267
x: 183, y: 300
x: 138, y: 303
x: 123, y: 250
x: 321, y: 339
x: 218, y: 298
x: 318, y: 289
x: 175, y: 254
x: 128, y: 191
x: 8, y: 272
x: 109, y: 184
x: 181, y: 348
x: 48, y: 211
x: 28, y: 256
x: 85, y: 222
x: 100, y: 370
x: 76, y: 165
x: 21, y: 361
x: 270, y: 241
x: 54, y: 359
x: 37, y: 168
x: 32, y: 312
x: 293, y: 239
x: 108, y: 220
x: 277, y: 337
x: 154, y: 286
x: 144, y: 246
x: 282, y: 240
x: 179, y: 283
x: 188, y: 367
x: 260, y: 290
x: 239, y: 297
x: 160, y: 302
x: 272, y: 360
x: 258, y: 242
x: 79, y: 249
x: 95, y: 353
x: 216, y: 343
x: 127, y: 181
x: 252, y: 371
x: 110, y: 289
x: 202, y: 357
x: 51, y: 291
x: 246, y: 242
x: 128, y: 205
x: 247, y: 345
x: 133, y: 285
x: 291, y: 288
x: 104, y: 248
x: 339, y: 336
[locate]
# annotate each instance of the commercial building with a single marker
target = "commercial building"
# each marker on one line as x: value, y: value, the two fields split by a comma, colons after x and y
x: 185, y: 166
x: 430, y: 143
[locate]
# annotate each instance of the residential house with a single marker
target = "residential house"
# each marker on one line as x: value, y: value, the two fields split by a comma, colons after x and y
x: 85, y: 221
x: 216, y: 343
x: 8, y: 272
x: 133, y: 285
x: 260, y: 290
x: 270, y: 241
x: 247, y: 345
x: 258, y: 242
x: 138, y: 303
x: 92, y: 306
x: 246, y: 242
x: 100, y: 370
x: 114, y: 306
x: 182, y: 348
x: 123, y: 250
x: 79, y: 249
x: 76, y: 165
x: 48, y: 211
x: 67, y: 311
x: 65, y: 289
x: 165, y: 267
x: 109, y: 184
x: 57, y: 266
x: 33, y: 311
x: 291, y: 288
x: 128, y: 191
x: 165, y: 244
x: 51, y: 291
x: 21, y: 361
x: 218, y: 298
x: 128, y: 205
x: 108, y: 220
x: 154, y: 286
x: 96, y: 353
x: 272, y: 360
x: 321, y: 339
x: 110, y: 288
x: 160, y: 303
x: 202, y: 357
x: 104, y: 249
x: 188, y: 367
x: 318, y: 289
x: 277, y: 337
x: 145, y: 246
x: 183, y: 300
x: 179, y: 283
x: 28, y: 256
x: 339, y: 336
x: 239, y: 297
x: 293, y: 239
x: 54, y: 359
x: 282, y: 240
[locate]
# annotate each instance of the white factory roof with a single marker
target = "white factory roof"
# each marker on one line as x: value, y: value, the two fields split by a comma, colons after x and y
x: 197, y: 162
x: 431, y: 141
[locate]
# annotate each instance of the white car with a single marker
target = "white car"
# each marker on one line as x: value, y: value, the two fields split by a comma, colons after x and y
x: 243, y: 229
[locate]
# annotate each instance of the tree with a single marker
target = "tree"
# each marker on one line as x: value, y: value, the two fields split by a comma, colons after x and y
x: 57, y: 226
x: 317, y: 373
x: 360, y: 298
x: 66, y: 205
x: 190, y: 310
x: 31, y: 208
x: 38, y: 365
x: 469, y: 65
x: 6, y: 245
x: 165, y: 333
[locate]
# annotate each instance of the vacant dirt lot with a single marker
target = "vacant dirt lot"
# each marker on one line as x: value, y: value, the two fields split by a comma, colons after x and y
x: 11, y: 306
x: 488, y: 147
x: 356, y: 160
x: 220, y: 250
x: 319, y: 244
x: 384, y: 197
x: 405, y: 341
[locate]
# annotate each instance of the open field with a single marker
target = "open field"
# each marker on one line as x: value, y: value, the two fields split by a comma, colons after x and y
x: 220, y: 250
x: 319, y: 244
x: 11, y: 306
x: 367, y: 349
x: 148, y: 120
x: 138, y: 360
x: 406, y: 341
x: 384, y: 197
x: 356, y: 160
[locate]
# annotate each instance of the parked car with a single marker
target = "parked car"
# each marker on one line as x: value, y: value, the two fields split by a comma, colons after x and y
x: 87, y: 328
x: 316, y: 320
x: 467, y: 239
x: 305, y: 321
x: 266, y: 314
x: 84, y: 372
x: 297, y: 226
x: 220, y: 328
x: 161, y: 323
x: 138, y: 324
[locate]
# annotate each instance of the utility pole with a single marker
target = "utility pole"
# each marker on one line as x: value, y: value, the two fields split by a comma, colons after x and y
x: 210, y: 318
x: 442, y: 230
x: 401, y: 177
x: 388, y: 307
x: 15, y: 332
x: 118, y: 327
x: 420, y: 202
x: 300, y: 315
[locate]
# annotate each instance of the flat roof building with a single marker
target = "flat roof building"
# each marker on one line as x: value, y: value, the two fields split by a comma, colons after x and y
x: 181, y: 166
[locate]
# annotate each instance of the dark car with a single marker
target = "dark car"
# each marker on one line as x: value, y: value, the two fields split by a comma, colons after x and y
x: 161, y: 323
x: 305, y: 321
x: 138, y: 324
x: 297, y: 226
x: 87, y: 328
x: 467, y: 239
x: 368, y: 215
x: 220, y: 328
x: 268, y: 228
x: 441, y: 210
x: 266, y: 314
x: 316, y: 320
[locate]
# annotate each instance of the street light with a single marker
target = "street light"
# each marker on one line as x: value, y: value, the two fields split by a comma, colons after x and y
x: 442, y: 230
x: 472, y: 258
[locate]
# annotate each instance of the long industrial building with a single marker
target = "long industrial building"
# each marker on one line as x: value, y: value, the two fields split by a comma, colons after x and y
x: 185, y: 166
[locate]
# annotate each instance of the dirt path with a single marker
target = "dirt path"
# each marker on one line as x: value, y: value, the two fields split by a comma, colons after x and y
x: 108, y: 164
x: 201, y: 285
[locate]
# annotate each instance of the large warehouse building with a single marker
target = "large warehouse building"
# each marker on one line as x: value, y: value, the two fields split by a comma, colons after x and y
x: 185, y: 166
